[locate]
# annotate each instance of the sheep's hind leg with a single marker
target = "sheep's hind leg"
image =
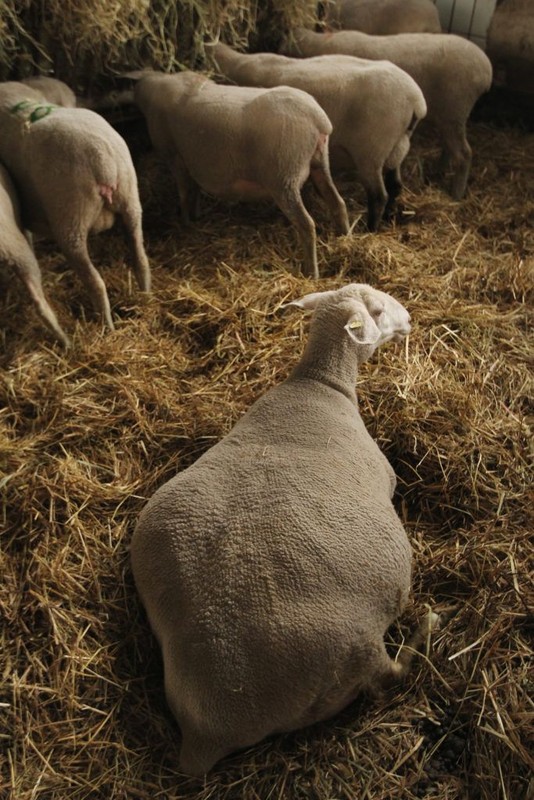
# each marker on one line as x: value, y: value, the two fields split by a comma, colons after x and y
x: 30, y: 274
x: 455, y: 160
x: 322, y: 180
x: 188, y: 192
x: 376, y: 201
x: 290, y: 203
x: 389, y: 672
x: 393, y: 184
x: 132, y: 216
x: 74, y: 248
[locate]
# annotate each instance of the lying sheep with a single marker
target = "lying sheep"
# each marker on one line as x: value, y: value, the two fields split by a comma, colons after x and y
x: 451, y: 71
x: 271, y: 568
x: 16, y: 253
x: 74, y: 173
x: 384, y: 17
x: 373, y: 108
x: 243, y: 144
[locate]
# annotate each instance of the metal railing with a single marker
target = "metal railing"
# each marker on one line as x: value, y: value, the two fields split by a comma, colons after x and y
x: 469, y: 18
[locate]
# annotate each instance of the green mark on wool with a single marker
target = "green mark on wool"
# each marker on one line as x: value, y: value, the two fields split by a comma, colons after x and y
x: 31, y: 111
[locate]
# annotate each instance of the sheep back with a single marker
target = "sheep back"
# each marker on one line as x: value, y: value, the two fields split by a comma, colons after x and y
x: 270, y: 570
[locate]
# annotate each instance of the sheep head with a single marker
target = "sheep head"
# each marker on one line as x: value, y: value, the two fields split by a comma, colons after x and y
x: 367, y: 315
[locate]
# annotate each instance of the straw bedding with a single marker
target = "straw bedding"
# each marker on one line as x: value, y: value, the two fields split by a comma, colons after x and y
x: 86, y: 436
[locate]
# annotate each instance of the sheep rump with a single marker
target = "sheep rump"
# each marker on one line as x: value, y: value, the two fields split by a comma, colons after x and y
x: 451, y: 72
x: 373, y: 107
x: 242, y: 143
x: 74, y: 173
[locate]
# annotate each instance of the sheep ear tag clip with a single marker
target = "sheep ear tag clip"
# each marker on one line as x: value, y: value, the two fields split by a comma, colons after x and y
x: 362, y: 331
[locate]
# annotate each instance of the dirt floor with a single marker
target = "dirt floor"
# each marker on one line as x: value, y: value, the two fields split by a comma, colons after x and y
x: 87, y: 435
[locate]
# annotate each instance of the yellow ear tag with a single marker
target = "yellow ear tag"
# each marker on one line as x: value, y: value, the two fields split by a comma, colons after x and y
x: 356, y: 323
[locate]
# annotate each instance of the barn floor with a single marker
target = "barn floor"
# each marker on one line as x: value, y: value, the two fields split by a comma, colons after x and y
x: 86, y: 436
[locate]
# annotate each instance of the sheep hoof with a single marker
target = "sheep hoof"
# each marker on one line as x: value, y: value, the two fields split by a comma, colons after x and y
x: 432, y: 622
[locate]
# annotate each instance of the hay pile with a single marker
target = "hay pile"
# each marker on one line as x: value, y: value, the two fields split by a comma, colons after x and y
x: 83, y: 42
x: 86, y: 437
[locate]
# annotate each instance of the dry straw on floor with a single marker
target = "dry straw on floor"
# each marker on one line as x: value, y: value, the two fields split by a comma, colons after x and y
x: 86, y: 436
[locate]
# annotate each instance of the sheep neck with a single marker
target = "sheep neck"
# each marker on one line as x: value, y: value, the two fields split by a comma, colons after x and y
x: 331, y: 362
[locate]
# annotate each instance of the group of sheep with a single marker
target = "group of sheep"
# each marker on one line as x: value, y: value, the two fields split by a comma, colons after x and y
x: 351, y: 100
x: 271, y: 568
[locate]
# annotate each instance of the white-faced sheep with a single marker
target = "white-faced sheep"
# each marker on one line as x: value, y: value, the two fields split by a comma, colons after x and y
x: 242, y: 144
x: 73, y: 173
x: 451, y: 72
x: 383, y: 17
x: 271, y: 568
x: 373, y: 107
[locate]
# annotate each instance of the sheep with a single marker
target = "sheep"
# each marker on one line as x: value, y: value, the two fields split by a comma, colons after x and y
x: 16, y: 253
x: 451, y: 72
x: 384, y: 17
x: 73, y: 173
x: 373, y: 107
x: 239, y: 143
x: 271, y: 568
x: 52, y: 89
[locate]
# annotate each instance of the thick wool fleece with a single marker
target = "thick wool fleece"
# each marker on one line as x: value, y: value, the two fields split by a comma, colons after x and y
x: 451, y: 72
x: 60, y: 157
x: 339, y: 84
x: 271, y: 568
x: 74, y: 173
x: 373, y: 107
x: 243, y: 143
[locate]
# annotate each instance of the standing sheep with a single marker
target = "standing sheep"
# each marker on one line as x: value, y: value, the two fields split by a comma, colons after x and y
x: 373, y: 107
x: 451, y: 72
x: 242, y: 144
x: 53, y: 90
x: 16, y: 253
x: 271, y: 568
x: 383, y: 17
x: 74, y: 173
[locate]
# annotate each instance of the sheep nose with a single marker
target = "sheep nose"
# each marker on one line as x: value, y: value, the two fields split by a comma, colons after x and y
x: 399, y: 336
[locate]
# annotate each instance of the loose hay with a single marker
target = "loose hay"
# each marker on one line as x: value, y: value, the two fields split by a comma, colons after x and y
x: 83, y: 41
x: 87, y: 436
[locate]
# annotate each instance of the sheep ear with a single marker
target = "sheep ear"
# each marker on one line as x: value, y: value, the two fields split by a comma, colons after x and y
x: 309, y: 301
x: 362, y: 328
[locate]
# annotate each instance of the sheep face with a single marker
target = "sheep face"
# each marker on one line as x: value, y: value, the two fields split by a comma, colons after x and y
x: 391, y: 320
x: 370, y: 317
